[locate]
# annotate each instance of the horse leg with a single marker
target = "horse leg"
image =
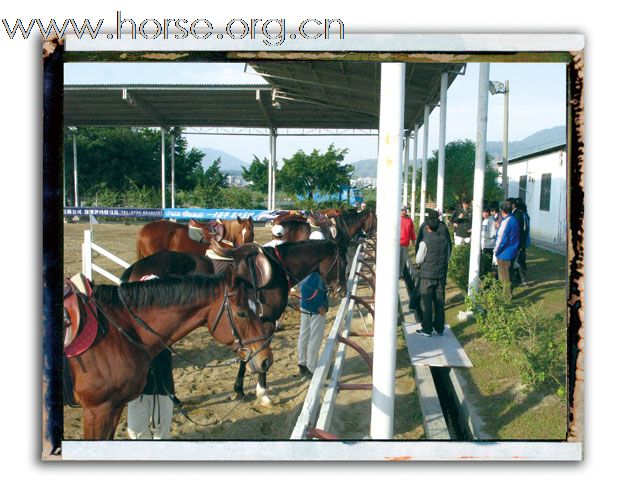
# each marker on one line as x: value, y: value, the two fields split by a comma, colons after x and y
x: 261, y: 390
x: 99, y: 422
x: 238, y: 384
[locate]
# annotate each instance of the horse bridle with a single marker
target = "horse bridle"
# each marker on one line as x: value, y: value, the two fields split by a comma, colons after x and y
x: 224, y: 307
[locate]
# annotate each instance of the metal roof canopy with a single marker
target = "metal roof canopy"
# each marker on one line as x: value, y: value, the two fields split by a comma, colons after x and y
x: 306, y: 94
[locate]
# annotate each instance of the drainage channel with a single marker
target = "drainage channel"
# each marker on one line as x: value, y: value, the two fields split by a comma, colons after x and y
x: 453, y: 407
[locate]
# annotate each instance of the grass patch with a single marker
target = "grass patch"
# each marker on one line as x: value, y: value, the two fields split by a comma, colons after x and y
x: 509, y: 409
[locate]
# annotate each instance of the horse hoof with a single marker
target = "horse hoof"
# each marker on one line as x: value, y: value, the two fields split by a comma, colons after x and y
x: 265, y: 401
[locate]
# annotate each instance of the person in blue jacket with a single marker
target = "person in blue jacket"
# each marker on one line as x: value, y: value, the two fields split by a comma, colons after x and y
x: 313, y: 305
x: 507, y: 247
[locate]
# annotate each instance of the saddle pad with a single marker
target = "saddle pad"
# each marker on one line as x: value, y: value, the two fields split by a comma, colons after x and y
x: 79, y: 304
x: 216, y: 257
x: 196, y: 234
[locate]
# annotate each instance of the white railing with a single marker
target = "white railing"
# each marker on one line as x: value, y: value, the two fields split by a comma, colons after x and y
x: 309, y: 415
x: 88, y: 267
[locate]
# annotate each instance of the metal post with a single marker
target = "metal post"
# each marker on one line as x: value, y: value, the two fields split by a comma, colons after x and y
x: 413, y: 175
x: 442, y: 146
x: 163, y: 157
x: 273, y: 170
x: 480, y: 169
x: 425, y: 154
x: 269, y: 170
x: 387, y: 248
x: 76, y: 171
x: 173, y: 171
x: 406, y: 170
x: 506, y: 115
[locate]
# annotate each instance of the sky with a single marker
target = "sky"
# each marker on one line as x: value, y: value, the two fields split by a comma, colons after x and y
x: 537, y: 101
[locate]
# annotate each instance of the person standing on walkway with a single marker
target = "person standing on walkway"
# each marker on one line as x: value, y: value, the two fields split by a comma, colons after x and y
x: 488, y: 232
x: 432, y: 259
x: 313, y: 307
x: 507, y: 247
x: 406, y: 236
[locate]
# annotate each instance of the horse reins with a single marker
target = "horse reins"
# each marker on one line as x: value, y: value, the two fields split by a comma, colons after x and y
x: 235, y: 334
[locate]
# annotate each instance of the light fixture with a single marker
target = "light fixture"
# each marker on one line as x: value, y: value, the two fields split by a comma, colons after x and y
x: 496, y: 87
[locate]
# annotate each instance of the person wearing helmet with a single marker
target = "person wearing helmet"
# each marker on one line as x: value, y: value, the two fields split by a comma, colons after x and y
x: 313, y: 308
x: 277, y: 231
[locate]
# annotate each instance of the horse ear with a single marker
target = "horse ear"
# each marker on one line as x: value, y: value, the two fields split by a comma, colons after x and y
x: 238, y: 218
x: 251, y: 219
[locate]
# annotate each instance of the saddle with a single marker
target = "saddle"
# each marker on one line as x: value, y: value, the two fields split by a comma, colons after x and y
x: 240, y: 257
x: 205, y: 232
x: 79, y: 314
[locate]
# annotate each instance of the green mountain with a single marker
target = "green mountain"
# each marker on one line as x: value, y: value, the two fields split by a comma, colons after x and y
x: 229, y: 164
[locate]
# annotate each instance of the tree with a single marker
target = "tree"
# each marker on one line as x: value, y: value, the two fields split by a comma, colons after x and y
x: 459, y: 168
x: 303, y: 175
x: 257, y: 174
x: 128, y: 159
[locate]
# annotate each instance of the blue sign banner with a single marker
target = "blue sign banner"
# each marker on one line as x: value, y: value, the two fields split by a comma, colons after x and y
x: 171, y: 213
x: 217, y: 213
x: 122, y: 213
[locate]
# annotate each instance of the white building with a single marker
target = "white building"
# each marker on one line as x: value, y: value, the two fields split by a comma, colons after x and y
x: 539, y: 177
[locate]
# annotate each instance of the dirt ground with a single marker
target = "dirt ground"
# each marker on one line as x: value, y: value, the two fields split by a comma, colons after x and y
x: 207, y: 393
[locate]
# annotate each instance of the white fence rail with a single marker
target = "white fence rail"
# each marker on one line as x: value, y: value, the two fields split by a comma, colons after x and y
x: 311, y: 407
x: 88, y: 267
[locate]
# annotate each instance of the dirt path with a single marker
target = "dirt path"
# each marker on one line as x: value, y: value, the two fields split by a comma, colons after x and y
x: 207, y: 394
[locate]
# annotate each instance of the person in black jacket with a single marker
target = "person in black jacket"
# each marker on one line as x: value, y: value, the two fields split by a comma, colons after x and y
x: 432, y: 258
x: 462, y: 222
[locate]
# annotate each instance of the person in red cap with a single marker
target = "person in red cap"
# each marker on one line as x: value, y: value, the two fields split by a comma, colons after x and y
x: 407, y: 235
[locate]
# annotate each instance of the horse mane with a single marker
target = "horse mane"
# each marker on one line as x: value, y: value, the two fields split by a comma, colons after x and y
x: 173, y: 291
x: 352, y: 218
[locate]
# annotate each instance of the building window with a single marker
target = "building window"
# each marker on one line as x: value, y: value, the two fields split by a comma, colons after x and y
x: 545, y: 192
x: 522, y: 187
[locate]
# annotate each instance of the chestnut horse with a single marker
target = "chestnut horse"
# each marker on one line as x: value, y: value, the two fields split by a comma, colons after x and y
x: 296, y: 227
x: 138, y: 320
x: 290, y: 263
x: 166, y: 235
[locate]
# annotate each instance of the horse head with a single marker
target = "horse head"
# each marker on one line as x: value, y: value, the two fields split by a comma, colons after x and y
x: 236, y: 317
x: 245, y: 233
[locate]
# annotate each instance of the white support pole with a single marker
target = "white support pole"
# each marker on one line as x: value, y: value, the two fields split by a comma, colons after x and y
x: 506, y: 122
x: 387, y: 248
x: 273, y: 170
x: 480, y: 168
x: 76, y: 170
x: 413, y: 175
x: 405, y: 199
x: 173, y: 171
x: 442, y: 146
x: 163, y: 158
x: 86, y: 254
x: 425, y: 155
x: 269, y: 170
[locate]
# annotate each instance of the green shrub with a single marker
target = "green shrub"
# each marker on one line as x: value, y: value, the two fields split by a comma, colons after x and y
x: 525, y: 336
x: 459, y: 264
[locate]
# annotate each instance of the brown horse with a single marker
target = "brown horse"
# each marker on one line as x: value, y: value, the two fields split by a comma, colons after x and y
x: 166, y: 235
x: 296, y: 227
x: 138, y: 320
x: 290, y: 263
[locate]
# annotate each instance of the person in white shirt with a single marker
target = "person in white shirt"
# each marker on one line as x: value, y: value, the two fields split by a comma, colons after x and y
x: 488, y: 232
x: 277, y: 231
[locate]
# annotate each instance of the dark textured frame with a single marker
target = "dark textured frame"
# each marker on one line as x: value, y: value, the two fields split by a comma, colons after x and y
x: 53, y: 59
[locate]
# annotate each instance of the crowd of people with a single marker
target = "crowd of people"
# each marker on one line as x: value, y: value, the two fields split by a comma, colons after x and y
x: 505, y: 236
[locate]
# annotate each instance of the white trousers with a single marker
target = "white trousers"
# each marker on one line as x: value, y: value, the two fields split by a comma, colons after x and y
x: 311, y: 335
x: 460, y: 241
x: 149, y: 419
